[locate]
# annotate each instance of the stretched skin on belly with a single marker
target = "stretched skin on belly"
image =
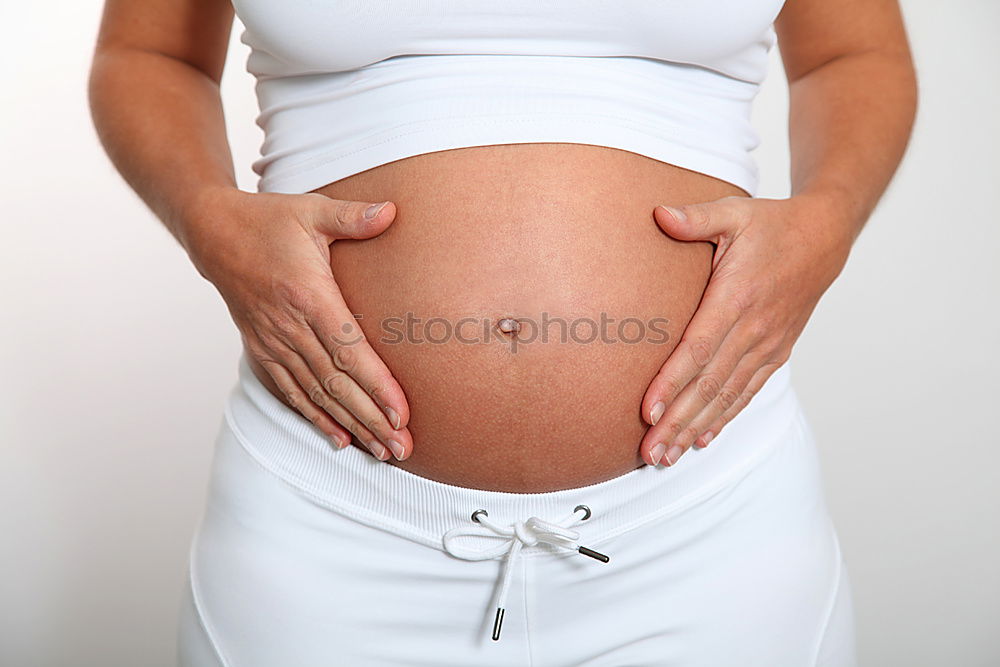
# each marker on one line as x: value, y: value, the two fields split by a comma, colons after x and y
x: 556, y: 243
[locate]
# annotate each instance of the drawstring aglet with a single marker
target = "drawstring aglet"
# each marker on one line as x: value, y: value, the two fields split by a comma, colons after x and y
x: 593, y: 554
x: 497, y: 623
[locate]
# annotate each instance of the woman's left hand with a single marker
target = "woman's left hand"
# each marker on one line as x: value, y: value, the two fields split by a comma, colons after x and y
x: 774, y: 259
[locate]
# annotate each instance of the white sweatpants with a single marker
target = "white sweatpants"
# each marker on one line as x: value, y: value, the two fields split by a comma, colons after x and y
x: 309, y: 556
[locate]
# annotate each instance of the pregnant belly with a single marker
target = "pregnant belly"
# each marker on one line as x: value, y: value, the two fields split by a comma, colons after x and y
x: 559, y: 241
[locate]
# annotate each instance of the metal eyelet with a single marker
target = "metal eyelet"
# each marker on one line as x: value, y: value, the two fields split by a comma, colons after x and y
x: 475, y: 515
x: 586, y: 551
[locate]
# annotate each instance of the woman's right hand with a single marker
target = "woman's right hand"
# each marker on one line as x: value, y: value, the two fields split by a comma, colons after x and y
x: 268, y: 254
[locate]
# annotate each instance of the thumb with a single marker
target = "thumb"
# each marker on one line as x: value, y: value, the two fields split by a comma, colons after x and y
x: 707, y: 221
x: 345, y: 219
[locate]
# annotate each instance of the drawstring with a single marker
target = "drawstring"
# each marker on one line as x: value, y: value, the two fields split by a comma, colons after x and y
x: 518, y: 534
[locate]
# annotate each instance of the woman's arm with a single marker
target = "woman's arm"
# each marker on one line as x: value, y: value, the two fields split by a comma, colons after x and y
x: 155, y: 102
x: 853, y: 98
x: 852, y: 101
x: 154, y: 98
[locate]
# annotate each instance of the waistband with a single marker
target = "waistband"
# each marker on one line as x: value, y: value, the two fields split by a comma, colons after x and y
x: 356, y: 484
x: 498, y: 524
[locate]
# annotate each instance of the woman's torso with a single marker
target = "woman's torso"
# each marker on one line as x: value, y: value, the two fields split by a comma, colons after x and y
x: 558, y: 236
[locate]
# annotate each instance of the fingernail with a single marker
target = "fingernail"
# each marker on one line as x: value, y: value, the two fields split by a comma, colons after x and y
x: 707, y: 438
x: 673, y: 454
x: 397, y: 449
x: 373, y: 210
x: 677, y: 213
x: 656, y: 412
x: 340, y: 442
x: 656, y: 453
x: 393, y: 417
x: 379, y: 450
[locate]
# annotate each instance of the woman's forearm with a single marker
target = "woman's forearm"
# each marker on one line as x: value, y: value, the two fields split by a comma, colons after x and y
x: 853, y: 97
x: 849, y: 124
x: 160, y: 119
x: 161, y: 122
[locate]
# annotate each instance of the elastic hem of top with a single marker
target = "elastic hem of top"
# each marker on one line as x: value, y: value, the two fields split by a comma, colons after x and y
x: 355, y: 484
x: 463, y: 131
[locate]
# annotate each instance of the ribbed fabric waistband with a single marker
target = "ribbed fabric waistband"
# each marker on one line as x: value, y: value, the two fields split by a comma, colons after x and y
x: 355, y: 484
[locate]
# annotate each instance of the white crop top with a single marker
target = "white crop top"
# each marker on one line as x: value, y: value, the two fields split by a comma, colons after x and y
x: 347, y: 85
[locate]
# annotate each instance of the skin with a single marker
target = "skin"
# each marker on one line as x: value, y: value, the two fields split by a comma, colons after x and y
x: 571, y: 236
x: 853, y: 97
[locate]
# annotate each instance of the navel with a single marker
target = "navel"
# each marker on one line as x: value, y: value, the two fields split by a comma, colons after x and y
x: 508, y: 325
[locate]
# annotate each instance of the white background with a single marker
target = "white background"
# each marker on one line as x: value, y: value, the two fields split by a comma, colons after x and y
x: 117, y: 356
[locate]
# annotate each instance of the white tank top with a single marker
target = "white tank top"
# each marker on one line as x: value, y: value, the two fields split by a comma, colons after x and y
x: 347, y: 85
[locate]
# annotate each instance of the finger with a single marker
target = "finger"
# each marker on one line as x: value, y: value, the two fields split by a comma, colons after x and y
x: 345, y: 219
x: 297, y: 398
x: 702, y: 221
x: 345, y: 343
x: 338, y: 393
x: 300, y: 371
x: 753, y: 386
x: 699, y: 432
x: 713, y: 320
x: 675, y: 431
